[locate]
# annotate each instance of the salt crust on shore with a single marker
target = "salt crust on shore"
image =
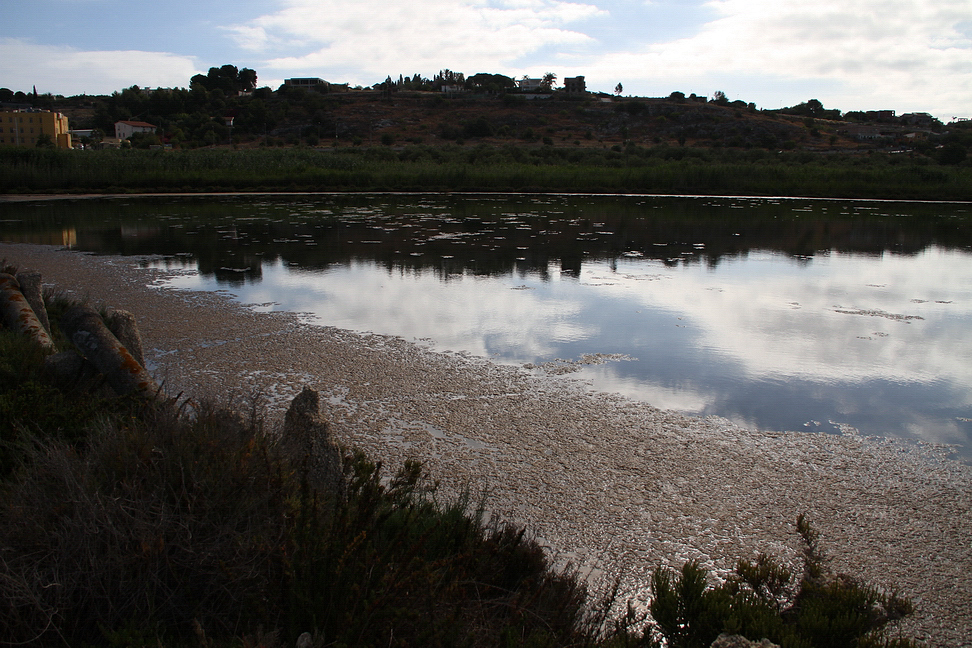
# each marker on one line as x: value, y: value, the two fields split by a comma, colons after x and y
x: 604, y: 481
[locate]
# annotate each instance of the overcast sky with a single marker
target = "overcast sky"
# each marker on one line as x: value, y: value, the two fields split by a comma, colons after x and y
x: 905, y: 55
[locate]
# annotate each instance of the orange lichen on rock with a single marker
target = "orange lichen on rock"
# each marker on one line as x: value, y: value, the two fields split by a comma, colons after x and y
x: 17, y: 313
x: 85, y: 328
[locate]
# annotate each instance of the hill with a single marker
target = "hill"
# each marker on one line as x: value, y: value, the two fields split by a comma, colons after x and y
x: 292, y: 116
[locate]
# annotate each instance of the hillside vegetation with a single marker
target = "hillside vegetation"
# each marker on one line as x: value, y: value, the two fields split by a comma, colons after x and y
x: 225, y: 134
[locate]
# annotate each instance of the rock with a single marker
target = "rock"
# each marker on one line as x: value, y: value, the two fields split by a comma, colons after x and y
x: 122, y: 325
x: 30, y: 287
x: 17, y: 314
x: 738, y: 641
x: 85, y: 328
x: 68, y: 367
x: 305, y: 640
x: 307, y: 439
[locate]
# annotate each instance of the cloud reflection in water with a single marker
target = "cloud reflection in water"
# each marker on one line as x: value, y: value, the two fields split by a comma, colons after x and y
x: 878, y: 342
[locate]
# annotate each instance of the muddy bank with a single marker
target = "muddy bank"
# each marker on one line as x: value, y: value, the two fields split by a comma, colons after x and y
x: 603, y: 480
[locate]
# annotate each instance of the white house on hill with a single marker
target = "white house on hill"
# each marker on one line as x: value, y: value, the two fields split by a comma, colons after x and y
x: 527, y: 84
x: 125, y: 129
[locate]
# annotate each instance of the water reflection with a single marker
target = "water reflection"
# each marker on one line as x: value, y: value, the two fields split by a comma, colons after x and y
x: 782, y: 314
x: 879, y: 344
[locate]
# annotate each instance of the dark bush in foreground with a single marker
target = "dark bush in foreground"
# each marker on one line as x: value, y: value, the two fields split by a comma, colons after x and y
x: 176, y: 528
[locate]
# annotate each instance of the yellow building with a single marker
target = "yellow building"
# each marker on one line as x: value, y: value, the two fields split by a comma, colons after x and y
x: 24, y: 127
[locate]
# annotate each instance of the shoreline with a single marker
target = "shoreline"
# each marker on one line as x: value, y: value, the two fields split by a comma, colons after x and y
x: 607, y: 483
x: 15, y: 198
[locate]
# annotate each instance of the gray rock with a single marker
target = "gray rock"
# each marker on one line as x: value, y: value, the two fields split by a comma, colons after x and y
x: 30, y: 286
x: 17, y: 314
x: 308, y: 441
x: 85, y: 328
x: 122, y: 325
x: 305, y: 640
x: 738, y: 641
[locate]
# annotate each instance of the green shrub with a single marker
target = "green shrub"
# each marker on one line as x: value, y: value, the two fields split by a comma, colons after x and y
x: 763, y: 600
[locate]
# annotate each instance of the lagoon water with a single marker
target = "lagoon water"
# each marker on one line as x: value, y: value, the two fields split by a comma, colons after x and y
x: 783, y: 314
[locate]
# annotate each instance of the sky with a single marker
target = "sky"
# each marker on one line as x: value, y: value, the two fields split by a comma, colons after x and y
x: 903, y: 55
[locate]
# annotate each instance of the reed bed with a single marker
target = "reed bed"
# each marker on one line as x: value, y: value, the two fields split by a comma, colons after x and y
x: 663, y: 170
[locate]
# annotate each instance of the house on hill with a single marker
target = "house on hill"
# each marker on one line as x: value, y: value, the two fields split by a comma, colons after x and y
x: 125, y: 129
x: 305, y: 82
x: 316, y: 83
x: 529, y: 85
x: 922, y: 120
x: 27, y: 127
x: 575, y: 85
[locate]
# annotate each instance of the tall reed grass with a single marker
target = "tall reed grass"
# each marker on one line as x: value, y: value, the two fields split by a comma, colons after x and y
x: 662, y: 170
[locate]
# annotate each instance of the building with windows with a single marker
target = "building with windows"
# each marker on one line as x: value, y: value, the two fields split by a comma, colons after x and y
x: 125, y: 129
x: 20, y: 127
x: 527, y: 84
x: 575, y: 85
x: 305, y: 82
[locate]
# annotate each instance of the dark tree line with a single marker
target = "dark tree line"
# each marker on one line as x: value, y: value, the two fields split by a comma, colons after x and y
x: 226, y: 78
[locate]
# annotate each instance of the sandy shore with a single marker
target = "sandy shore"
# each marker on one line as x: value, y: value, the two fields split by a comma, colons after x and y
x: 604, y: 481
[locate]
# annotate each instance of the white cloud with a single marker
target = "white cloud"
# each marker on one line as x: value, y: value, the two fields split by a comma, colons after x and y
x: 909, y: 55
x: 366, y: 39
x: 66, y: 70
x: 905, y: 54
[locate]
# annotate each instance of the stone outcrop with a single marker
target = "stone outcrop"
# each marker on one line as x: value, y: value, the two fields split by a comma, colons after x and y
x: 113, y: 350
x: 122, y: 325
x: 85, y: 328
x: 30, y: 287
x: 308, y: 441
x: 18, y: 314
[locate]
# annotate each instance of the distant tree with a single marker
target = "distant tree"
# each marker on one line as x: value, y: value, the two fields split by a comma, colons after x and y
x: 247, y: 79
x: 144, y: 140
x: 548, y: 81
x: 951, y: 153
x: 198, y: 82
x: 814, y: 109
x: 446, y: 78
x: 677, y: 96
x: 387, y: 87
x: 719, y: 97
x: 6, y: 94
x: 226, y: 78
x: 618, y: 89
x: 490, y: 82
x: 44, y: 141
